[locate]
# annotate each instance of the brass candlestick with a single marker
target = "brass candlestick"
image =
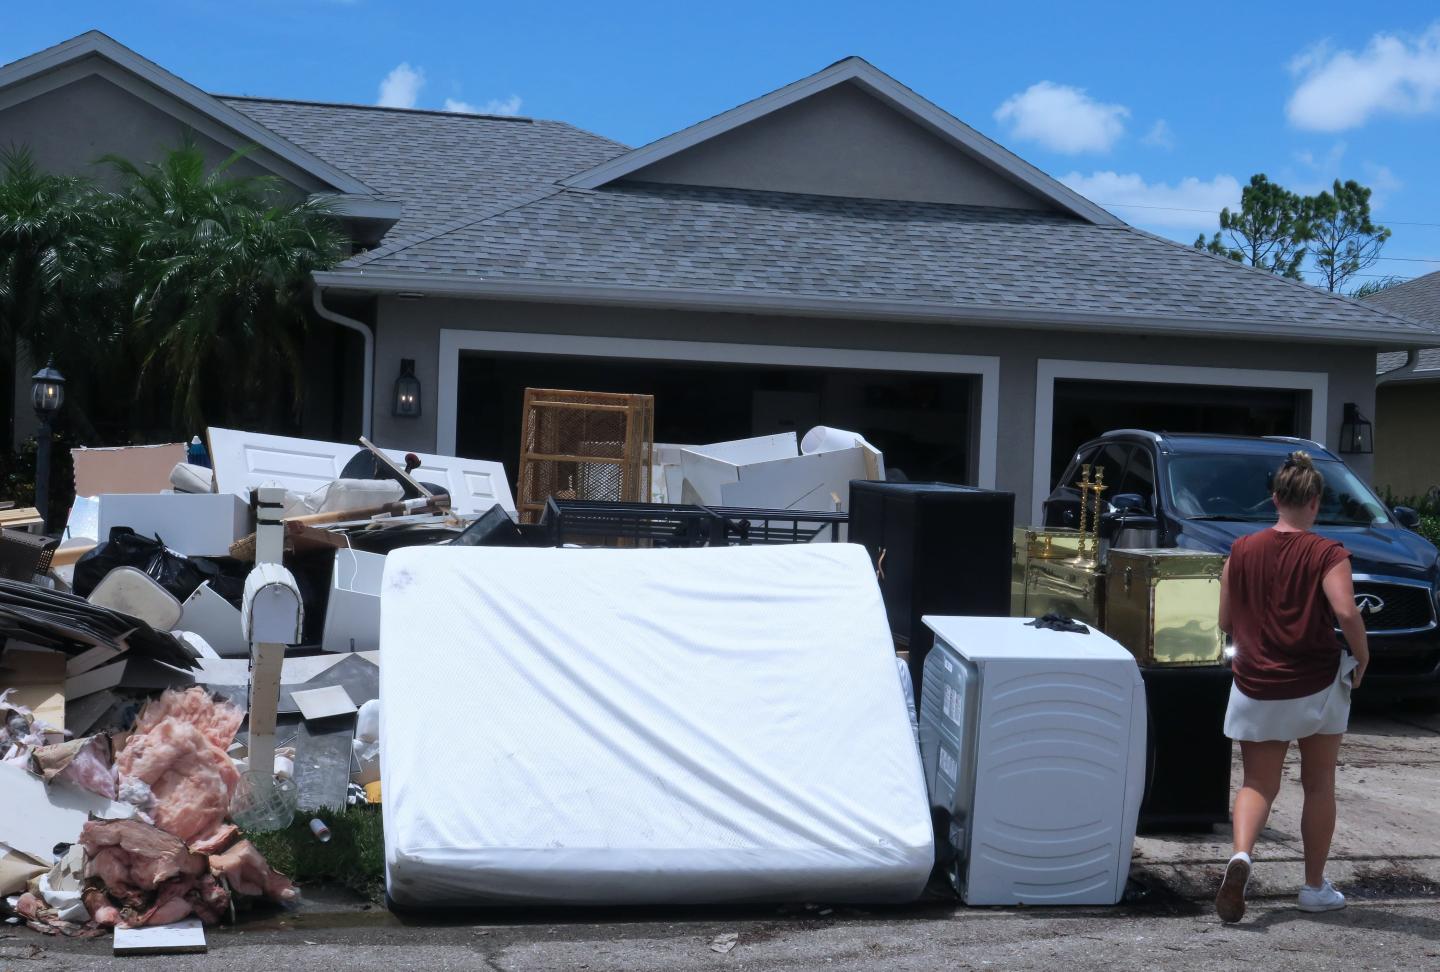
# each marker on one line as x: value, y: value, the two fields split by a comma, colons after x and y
x: 1088, y: 543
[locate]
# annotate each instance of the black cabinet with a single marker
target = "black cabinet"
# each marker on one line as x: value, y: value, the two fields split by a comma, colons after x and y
x: 1187, y: 786
x: 937, y: 549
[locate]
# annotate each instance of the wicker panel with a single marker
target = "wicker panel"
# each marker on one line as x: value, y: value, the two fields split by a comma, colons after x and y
x: 584, y: 445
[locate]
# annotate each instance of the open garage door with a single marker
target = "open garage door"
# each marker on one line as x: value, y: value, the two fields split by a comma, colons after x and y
x: 1085, y: 409
x: 923, y: 422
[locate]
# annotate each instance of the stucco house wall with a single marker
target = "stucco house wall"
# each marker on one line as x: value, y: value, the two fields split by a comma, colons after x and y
x: 410, y: 328
x: 1407, y: 444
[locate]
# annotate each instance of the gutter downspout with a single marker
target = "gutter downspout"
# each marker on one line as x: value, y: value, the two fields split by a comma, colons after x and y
x: 368, y: 394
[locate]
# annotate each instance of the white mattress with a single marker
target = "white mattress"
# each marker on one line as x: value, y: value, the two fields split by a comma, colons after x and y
x: 645, y: 726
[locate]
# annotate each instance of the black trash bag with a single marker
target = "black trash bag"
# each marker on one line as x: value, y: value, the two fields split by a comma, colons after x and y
x: 366, y: 465
x: 178, y: 574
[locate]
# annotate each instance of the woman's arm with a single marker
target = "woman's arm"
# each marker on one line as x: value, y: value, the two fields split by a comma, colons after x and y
x: 1339, y: 589
x: 1225, y: 598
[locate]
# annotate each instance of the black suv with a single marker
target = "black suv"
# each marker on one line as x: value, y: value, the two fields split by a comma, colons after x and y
x: 1202, y: 492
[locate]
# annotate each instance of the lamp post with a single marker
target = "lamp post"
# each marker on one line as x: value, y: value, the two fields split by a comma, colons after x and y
x: 47, y: 394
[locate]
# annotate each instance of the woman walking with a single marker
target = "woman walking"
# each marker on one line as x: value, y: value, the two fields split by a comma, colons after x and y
x: 1283, y: 592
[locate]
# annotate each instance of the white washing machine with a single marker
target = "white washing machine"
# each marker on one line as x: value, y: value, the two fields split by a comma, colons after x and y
x: 1033, y: 743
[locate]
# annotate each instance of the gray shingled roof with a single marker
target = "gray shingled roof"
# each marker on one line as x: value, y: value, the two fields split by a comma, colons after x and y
x: 1418, y: 299
x: 728, y: 240
x: 438, y: 165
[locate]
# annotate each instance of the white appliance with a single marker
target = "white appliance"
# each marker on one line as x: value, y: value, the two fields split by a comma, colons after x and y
x: 1033, y: 743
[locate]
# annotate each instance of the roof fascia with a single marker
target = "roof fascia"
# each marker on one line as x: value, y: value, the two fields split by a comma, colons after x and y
x: 467, y: 286
x: 94, y: 43
x: 878, y: 84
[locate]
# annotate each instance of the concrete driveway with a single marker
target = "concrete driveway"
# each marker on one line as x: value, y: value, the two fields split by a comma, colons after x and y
x: 1387, y: 860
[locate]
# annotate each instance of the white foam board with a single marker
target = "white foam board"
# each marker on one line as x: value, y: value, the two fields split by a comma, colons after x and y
x: 247, y: 460
x: 719, y: 724
x: 37, y: 816
x: 765, y: 476
x: 194, y: 524
x: 181, y: 937
x: 216, y: 620
x: 352, y: 616
x: 325, y: 702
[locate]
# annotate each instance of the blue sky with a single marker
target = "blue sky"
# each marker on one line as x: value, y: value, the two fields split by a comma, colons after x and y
x: 1138, y: 105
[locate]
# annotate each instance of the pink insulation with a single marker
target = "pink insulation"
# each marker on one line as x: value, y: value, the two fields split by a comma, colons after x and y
x: 128, y: 854
x: 247, y: 873
x: 178, y: 750
x: 149, y: 877
x: 217, y: 719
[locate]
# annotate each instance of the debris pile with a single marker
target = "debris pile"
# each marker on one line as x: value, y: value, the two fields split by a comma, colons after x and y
x: 136, y: 668
x: 164, y: 850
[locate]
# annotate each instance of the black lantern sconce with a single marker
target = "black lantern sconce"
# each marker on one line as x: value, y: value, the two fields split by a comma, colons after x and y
x: 407, y: 391
x: 1357, y: 435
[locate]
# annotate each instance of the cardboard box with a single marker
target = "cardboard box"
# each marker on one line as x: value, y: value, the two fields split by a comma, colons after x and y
x: 352, y: 619
x: 194, y: 524
x: 125, y: 469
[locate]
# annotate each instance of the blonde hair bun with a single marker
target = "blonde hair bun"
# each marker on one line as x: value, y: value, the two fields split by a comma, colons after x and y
x: 1298, y: 481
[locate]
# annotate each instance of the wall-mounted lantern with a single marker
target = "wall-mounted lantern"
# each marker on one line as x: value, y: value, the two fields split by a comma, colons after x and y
x: 407, y: 391
x: 1357, y: 436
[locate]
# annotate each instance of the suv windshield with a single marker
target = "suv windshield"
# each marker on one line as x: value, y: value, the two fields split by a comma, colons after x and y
x: 1237, y: 487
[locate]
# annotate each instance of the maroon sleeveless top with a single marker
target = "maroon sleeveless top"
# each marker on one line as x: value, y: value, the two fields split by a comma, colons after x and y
x: 1284, y: 630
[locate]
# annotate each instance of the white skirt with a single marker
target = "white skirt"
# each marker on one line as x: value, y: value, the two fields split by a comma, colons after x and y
x: 1285, y: 720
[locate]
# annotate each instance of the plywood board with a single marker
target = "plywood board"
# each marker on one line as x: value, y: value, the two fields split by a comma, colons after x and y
x: 246, y: 460
x: 125, y: 469
x: 38, y: 678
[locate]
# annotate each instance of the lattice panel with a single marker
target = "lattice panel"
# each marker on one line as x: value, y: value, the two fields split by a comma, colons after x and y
x: 584, y: 445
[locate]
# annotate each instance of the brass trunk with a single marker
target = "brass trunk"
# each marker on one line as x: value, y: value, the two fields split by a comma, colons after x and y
x: 1164, y: 605
x: 1032, y: 544
x: 1074, y: 588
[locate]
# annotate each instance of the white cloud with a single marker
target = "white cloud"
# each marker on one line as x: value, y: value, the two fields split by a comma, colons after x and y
x: 1062, y: 118
x: 1190, y: 204
x: 495, y: 106
x: 1159, y: 136
x: 401, y: 87
x: 1338, y: 90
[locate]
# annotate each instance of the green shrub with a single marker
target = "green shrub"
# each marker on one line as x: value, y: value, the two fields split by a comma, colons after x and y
x: 1426, y: 506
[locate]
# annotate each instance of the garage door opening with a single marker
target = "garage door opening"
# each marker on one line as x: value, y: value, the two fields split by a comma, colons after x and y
x: 1086, y: 409
x: 922, y: 422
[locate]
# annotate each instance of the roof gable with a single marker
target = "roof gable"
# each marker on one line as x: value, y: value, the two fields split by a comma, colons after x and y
x: 1008, y: 179
x: 94, y: 53
x: 1418, y: 298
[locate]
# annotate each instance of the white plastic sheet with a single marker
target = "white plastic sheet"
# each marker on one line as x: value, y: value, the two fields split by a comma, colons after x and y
x: 638, y: 726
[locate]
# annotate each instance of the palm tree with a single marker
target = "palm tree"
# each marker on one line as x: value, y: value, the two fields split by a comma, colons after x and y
x: 218, y: 263
x: 55, y: 258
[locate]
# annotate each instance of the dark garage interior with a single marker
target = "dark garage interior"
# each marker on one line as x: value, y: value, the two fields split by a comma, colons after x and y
x: 921, y: 422
x: 1086, y: 409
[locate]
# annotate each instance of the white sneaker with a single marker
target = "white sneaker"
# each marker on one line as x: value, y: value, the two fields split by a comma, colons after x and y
x: 1230, y: 901
x: 1323, y: 898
